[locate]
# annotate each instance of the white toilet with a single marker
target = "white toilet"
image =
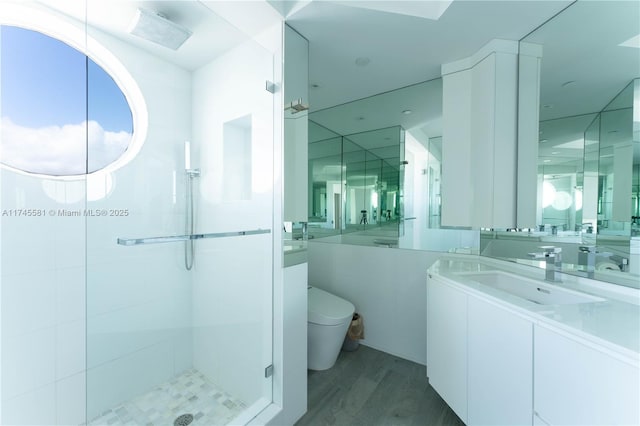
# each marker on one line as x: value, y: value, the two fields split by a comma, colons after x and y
x: 328, y: 321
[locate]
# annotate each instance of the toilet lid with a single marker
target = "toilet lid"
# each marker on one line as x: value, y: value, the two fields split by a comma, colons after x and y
x: 328, y: 309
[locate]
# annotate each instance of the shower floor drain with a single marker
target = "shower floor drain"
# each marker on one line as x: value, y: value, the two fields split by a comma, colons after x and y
x: 183, y: 420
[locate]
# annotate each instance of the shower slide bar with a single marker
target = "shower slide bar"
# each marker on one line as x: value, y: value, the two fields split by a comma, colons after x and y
x: 180, y: 238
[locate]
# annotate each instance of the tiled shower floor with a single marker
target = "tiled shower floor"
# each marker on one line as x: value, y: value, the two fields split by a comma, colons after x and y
x: 189, y: 393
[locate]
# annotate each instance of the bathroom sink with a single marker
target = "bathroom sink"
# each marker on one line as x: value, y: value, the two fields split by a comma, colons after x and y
x: 529, y: 289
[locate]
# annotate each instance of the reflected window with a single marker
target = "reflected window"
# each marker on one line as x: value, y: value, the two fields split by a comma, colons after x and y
x: 61, y: 113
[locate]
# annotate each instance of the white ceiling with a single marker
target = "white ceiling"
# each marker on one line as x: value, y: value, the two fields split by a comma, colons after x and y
x: 423, y: 100
x: 582, y: 45
x: 213, y: 34
x: 402, y: 49
x: 404, y: 46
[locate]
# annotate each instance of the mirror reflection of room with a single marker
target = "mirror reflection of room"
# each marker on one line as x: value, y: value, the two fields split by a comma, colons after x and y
x: 586, y: 158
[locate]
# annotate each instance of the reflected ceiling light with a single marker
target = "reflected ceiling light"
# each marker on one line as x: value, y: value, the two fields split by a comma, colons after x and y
x: 562, y: 200
x: 407, y: 112
x: 547, y: 106
x: 544, y: 140
x: 574, y: 144
x: 555, y: 152
x: 632, y: 42
x: 546, y: 161
x: 578, y: 196
x: 548, y: 193
x: 156, y: 28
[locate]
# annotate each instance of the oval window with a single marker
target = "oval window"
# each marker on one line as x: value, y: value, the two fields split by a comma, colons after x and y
x: 62, y: 114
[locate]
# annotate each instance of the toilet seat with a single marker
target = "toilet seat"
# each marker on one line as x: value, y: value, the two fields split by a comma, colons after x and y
x: 328, y: 309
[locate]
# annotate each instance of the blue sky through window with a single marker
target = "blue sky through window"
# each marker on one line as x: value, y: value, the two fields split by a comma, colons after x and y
x: 46, y: 113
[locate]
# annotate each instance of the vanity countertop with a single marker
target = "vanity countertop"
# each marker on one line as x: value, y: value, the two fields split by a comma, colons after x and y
x: 295, y: 252
x: 613, y: 322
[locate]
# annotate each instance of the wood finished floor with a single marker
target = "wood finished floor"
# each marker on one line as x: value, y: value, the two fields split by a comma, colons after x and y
x: 369, y: 387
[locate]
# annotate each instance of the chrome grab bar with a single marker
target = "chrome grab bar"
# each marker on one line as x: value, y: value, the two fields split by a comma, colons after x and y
x: 180, y: 238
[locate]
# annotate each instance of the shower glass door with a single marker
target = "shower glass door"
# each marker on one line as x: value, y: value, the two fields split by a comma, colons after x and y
x: 167, y: 343
x: 42, y: 231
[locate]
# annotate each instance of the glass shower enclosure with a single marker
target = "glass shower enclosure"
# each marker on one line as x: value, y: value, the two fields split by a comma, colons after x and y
x: 137, y: 214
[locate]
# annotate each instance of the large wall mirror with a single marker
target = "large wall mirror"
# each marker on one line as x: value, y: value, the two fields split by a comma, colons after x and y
x: 355, y: 182
x: 375, y: 172
x: 589, y: 143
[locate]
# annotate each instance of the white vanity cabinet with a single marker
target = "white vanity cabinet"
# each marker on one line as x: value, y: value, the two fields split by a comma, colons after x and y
x: 447, y: 344
x: 499, y: 353
x: 499, y: 365
x: 578, y: 383
x: 478, y: 356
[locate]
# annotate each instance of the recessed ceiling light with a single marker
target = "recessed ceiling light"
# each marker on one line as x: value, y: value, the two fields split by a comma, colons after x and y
x: 543, y: 140
x: 407, y: 112
x: 362, y: 61
x: 555, y: 152
x: 546, y: 161
x: 568, y: 83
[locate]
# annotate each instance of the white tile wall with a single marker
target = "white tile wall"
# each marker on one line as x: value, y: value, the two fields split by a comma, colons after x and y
x: 123, y: 378
x: 71, y: 400
x: 386, y: 285
x: 70, y: 349
x: 36, y: 407
x: 138, y: 306
x: 70, y: 294
x: 28, y: 362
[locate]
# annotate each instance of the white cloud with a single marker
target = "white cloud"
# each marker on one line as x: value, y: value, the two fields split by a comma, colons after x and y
x: 60, y: 150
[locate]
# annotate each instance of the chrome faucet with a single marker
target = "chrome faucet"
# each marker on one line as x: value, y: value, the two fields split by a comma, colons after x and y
x: 587, y: 257
x: 622, y: 262
x: 553, y: 259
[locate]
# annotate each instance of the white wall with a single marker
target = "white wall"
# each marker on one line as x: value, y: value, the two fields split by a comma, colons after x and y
x: 136, y: 296
x: 416, y: 195
x: 232, y: 287
x: 295, y: 342
x: 42, y: 307
x: 386, y: 285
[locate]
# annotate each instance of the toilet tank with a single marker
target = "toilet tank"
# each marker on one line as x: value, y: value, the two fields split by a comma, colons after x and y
x: 328, y: 309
